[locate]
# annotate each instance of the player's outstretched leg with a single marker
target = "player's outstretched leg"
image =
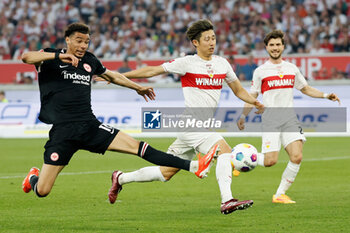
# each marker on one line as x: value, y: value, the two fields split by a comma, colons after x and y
x: 126, y: 144
x: 200, y: 168
x: 26, y: 186
x: 234, y: 204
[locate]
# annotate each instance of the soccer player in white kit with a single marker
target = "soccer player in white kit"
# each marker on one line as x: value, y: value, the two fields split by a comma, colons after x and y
x: 202, y: 77
x: 275, y: 80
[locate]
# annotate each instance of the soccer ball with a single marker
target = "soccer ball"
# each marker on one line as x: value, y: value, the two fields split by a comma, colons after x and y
x: 244, y: 157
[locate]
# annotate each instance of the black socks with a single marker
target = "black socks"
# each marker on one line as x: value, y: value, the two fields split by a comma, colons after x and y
x: 33, y: 182
x: 161, y: 158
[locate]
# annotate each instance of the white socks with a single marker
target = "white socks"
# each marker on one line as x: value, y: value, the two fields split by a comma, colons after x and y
x: 193, y: 166
x: 148, y: 174
x: 261, y: 158
x: 145, y: 174
x: 224, y: 176
x: 288, y: 177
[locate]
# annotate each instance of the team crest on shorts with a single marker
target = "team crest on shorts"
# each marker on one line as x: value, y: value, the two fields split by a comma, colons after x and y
x: 267, y: 144
x: 87, y: 67
x: 54, y: 156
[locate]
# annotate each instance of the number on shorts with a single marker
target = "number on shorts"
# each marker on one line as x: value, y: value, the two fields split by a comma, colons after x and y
x: 108, y: 128
x: 301, y: 130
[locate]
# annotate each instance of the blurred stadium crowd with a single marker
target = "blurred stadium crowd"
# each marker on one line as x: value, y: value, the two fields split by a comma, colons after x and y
x: 155, y: 28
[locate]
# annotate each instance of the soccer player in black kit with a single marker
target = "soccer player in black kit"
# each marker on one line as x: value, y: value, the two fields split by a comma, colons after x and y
x: 65, y: 77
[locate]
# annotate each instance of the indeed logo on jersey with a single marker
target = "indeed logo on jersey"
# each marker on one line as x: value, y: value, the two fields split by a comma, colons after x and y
x: 77, y: 78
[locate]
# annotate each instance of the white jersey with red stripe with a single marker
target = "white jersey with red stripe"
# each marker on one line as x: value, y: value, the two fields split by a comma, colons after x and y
x: 276, y: 81
x: 201, y: 80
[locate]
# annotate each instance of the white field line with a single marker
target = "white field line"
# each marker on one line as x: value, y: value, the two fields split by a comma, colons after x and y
x: 321, y: 159
x: 110, y: 171
x: 62, y: 174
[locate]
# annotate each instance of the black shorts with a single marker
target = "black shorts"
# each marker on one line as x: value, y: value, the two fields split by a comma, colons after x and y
x: 66, y: 138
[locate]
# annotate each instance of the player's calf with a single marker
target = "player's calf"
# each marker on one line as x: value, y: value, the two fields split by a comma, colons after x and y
x: 168, y: 172
x: 30, y: 182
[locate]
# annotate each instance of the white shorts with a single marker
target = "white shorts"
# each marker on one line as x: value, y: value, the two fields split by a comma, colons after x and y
x: 188, y: 144
x: 273, y: 141
x: 277, y: 134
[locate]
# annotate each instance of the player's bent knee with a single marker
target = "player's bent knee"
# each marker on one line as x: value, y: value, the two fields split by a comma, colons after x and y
x: 42, y: 191
x: 270, y: 159
x: 167, y: 178
x: 40, y: 195
x: 270, y: 162
x: 296, y: 159
x: 168, y: 174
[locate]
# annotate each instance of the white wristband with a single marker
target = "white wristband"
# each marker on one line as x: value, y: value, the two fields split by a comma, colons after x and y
x: 242, y: 116
x: 325, y: 95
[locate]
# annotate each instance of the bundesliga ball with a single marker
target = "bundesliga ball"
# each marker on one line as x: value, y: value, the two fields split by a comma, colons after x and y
x: 244, y: 157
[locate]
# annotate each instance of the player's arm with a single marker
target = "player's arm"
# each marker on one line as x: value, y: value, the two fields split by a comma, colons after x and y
x: 248, y: 107
x: 241, y: 93
x: 315, y: 93
x: 121, y: 80
x: 36, y: 57
x: 145, y: 72
x: 246, y: 110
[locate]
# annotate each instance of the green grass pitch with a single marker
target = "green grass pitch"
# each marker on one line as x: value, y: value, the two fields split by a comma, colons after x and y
x: 79, y: 203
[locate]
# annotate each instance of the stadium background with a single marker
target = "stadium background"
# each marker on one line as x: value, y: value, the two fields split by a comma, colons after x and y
x: 133, y: 33
x: 130, y: 34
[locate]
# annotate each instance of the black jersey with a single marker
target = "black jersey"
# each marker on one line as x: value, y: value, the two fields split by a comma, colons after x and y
x: 65, y: 90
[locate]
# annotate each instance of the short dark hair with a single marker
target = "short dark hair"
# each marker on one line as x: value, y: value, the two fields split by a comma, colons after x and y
x: 194, y: 32
x: 274, y: 35
x: 76, y: 27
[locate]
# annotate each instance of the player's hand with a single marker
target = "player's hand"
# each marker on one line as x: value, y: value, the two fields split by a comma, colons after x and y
x: 259, y: 106
x: 240, y: 123
x: 147, y: 92
x: 69, y: 58
x: 333, y: 97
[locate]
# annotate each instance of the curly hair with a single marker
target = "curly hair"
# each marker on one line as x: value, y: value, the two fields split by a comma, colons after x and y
x: 274, y: 35
x: 76, y: 27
